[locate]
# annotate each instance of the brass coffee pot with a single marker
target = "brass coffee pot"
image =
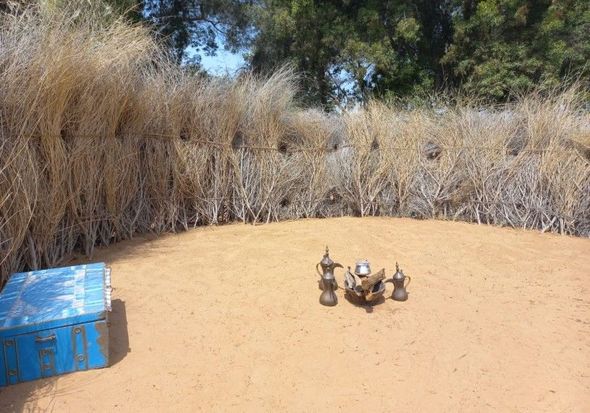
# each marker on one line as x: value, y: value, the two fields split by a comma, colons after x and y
x: 398, y: 279
x: 328, y: 283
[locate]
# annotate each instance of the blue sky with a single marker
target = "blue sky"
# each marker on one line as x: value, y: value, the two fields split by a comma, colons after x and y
x: 224, y: 63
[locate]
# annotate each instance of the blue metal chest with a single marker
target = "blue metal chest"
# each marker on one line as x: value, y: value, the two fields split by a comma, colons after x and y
x: 54, y: 321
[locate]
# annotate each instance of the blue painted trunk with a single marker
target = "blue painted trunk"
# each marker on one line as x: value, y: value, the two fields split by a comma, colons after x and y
x: 54, y: 322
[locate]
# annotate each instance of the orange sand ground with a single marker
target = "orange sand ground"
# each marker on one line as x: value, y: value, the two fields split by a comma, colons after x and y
x: 227, y: 319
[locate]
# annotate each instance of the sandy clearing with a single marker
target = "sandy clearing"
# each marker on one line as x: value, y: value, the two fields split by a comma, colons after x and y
x: 227, y: 319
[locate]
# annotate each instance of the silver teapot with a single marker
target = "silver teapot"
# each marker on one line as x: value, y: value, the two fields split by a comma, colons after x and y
x: 399, y: 284
x: 328, y: 282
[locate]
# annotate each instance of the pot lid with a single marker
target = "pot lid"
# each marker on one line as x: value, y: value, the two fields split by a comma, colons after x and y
x: 51, y: 298
x: 398, y: 272
x: 326, y: 261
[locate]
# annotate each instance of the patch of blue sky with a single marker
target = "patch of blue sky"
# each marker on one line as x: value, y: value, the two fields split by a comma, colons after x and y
x: 224, y: 63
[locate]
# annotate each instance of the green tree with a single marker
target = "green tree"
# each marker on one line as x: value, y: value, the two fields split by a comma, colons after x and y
x: 487, y: 48
x: 192, y: 27
x: 355, y: 48
x: 305, y: 33
x: 500, y: 46
x: 405, y: 41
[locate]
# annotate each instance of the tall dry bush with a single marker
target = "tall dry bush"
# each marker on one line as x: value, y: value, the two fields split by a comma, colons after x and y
x: 70, y: 91
x: 364, y: 165
x: 313, y: 136
x: 264, y: 173
x: 101, y: 137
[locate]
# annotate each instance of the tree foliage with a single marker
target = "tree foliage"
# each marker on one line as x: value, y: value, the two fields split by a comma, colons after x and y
x: 353, y: 49
x: 199, y: 26
x: 489, y: 48
x: 504, y: 45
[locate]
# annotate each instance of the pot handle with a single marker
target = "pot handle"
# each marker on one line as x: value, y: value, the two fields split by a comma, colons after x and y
x: 409, y: 281
x: 317, y: 268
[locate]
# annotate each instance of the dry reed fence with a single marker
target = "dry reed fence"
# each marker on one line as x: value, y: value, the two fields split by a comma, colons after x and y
x: 101, y: 138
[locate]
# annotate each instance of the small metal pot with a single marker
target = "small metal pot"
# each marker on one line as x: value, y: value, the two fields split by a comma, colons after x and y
x: 362, y: 268
x: 399, y: 284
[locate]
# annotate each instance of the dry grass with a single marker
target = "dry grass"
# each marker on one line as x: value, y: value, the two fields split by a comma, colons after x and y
x: 101, y: 137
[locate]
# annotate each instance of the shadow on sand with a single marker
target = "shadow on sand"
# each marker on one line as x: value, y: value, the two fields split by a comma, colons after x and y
x: 118, y: 335
x: 365, y: 305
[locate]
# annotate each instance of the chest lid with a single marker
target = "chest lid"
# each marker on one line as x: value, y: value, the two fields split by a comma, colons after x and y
x: 39, y: 300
